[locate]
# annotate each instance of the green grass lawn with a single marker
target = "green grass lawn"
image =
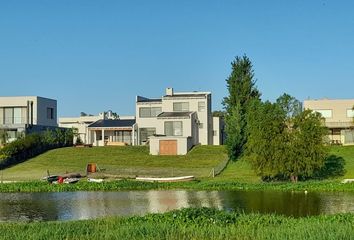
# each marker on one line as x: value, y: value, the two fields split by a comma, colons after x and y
x: 131, y: 161
x: 122, y: 161
x: 241, y: 170
x: 347, y: 153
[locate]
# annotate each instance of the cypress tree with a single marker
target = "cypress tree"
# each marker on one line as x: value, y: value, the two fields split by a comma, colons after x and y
x: 242, y: 91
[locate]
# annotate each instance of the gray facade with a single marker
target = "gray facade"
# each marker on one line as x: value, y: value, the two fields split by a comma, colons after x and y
x: 21, y: 115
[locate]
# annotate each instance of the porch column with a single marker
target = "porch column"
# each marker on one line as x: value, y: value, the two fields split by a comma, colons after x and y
x: 94, y: 137
x: 133, y: 136
x: 103, y: 137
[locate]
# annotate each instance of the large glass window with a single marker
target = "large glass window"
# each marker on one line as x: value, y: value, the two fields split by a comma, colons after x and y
x: 326, y: 113
x: 145, y: 133
x: 173, y: 128
x: 201, y: 106
x: 9, y: 115
x: 155, y: 111
x: 17, y: 115
x: 148, y: 112
x: 181, y: 106
x: 350, y: 113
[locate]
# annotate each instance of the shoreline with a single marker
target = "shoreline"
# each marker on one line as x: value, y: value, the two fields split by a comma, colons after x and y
x: 203, y: 185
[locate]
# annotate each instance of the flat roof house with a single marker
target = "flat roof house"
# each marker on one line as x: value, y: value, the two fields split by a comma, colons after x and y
x: 176, y: 122
x: 22, y: 115
x: 339, y: 118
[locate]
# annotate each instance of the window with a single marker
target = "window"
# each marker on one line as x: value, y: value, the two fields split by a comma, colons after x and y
x: 350, y: 113
x: 173, y: 128
x: 155, y: 111
x: 1, y: 116
x: 9, y: 115
x: 201, y: 106
x: 17, y: 115
x: 181, y: 106
x: 145, y: 133
x: 326, y: 113
x: 148, y: 112
x: 50, y: 113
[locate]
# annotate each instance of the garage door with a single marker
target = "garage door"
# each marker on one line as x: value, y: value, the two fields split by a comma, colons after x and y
x: 168, y: 147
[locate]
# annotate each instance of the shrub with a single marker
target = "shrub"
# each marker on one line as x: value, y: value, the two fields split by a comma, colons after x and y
x: 34, y: 144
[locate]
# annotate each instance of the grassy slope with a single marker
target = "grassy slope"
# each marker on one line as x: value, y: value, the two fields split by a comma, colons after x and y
x: 241, y: 171
x: 189, y: 224
x: 347, y: 153
x: 137, y: 161
x: 125, y: 161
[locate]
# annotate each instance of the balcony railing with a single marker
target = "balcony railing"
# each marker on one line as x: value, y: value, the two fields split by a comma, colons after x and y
x: 339, y: 124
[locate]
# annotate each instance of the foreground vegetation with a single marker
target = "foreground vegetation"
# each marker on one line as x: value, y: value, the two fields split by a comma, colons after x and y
x: 207, y: 185
x: 201, y: 223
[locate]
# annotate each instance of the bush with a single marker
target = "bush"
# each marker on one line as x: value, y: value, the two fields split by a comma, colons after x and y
x: 34, y: 144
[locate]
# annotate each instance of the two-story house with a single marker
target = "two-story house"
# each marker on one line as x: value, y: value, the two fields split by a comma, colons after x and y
x: 22, y: 115
x: 176, y: 122
x: 339, y: 118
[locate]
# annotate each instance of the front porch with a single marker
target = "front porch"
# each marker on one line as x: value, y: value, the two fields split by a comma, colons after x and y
x: 112, y: 133
x: 112, y: 137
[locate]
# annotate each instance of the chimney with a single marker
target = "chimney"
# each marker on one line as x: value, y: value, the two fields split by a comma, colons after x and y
x: 169, y: 91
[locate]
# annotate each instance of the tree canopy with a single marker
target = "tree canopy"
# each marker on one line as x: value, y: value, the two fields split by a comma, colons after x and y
x: 242, y: 91
x: 284, y: 144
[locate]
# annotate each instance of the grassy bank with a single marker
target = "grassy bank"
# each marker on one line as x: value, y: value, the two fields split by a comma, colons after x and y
x: 189, y: 224
x: 120, y: 161
x: 237, y: 176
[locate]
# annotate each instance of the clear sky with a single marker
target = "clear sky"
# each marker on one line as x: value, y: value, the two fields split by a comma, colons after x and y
x: 94, y: 56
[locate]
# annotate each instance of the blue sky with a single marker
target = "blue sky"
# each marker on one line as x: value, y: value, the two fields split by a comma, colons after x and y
x: 98, y: 55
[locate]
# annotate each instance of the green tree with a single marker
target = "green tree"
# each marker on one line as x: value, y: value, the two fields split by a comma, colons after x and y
x: 305, y: 152
x: 290, y: 105
x: 265, y: 140
x: 242, y: 91
x: 218, y: 113
x: 283, y: 142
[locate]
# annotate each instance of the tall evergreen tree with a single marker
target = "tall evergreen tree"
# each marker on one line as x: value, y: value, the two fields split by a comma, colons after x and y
x: 242, y: 91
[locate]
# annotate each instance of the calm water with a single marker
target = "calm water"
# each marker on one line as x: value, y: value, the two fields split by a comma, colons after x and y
x: 86, y: 205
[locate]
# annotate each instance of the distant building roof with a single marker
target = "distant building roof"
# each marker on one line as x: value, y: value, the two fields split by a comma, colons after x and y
x: 186, y: 95
x: 144, y: 99
x: 112, y: 123
x: 174, y: 114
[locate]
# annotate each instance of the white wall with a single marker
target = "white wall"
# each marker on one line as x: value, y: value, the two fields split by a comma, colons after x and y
x: 204, y: 117
x: 216, y: 127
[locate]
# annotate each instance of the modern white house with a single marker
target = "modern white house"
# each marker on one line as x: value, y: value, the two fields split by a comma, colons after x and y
x: 339, y: 118
x: 102, y: 129
x: 176, y: 122
x: 170, y: 125
x: 22, y: 115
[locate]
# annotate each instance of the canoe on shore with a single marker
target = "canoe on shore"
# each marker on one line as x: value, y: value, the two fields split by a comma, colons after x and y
x: 167, y: 179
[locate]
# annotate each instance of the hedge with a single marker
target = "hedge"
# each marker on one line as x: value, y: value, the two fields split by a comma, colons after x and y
x: 34, y: 144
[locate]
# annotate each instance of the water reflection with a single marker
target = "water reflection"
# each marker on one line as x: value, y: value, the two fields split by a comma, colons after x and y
x: 86, y: 205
